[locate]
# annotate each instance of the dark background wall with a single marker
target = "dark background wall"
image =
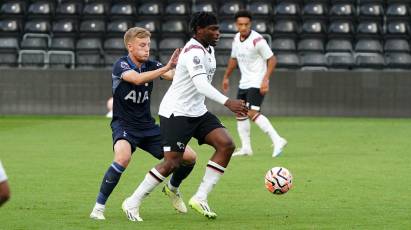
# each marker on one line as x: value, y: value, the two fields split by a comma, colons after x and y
x: 295, y: 93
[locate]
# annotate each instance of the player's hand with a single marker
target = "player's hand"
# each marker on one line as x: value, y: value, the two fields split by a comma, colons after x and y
x: 224, y: 85
x: 237, y: 106
x: 265, y: 86
x: 174, y: 58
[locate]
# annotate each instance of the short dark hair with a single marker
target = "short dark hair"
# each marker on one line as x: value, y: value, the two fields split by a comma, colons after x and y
x: 202, y: 19
x: 243, y: 13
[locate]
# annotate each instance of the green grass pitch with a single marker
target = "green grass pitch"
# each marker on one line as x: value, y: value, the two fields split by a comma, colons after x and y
x: 349, y: 173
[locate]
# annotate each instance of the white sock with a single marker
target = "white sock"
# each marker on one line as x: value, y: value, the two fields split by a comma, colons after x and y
x: 150, y: 182
x: 243, y: 128
x: 266, y: 127
x: 171, y: 187
x: 212, y: 175
x: 100, y: 207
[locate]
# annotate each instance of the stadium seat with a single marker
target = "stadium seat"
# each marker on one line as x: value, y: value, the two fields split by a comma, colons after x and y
x: 123, y: 9
x: 13, y: 8
x: 366, y: 45
x: 32, y: 58
x: 222, y: 57
x: 339, y: 45
x: 88, y: 52
x: 398, y: 60
x: 315, y: 9
x: 177, y: 8
x: 225, y: 42
x: 371, y: 10
x: 396, y: 45
x: 174, y: 26
x: 342, y: 9
x: 312, y: 27
x: 37, y: 26
x: 283, y: 44
x: 151, y: 25
x: 228, y: 26
x: 369, y: 29
x: 311, y: 45
x: 171, y: 43
x: 34, y: 43
x: 62, y: 43
x: 92, y: 26
x: 8, y: 51
x: 113, y: 49
x: 397, y: 28
x: 10, y: 26
x: 340, y: 29
x: 398, y: 9
x: 288, y: 28
x: 119, y: 26
x: 41, y: 8
x: 151, y: 8
x: 262, y: 26
x: 61, y: 53
x: 66, y: 27
x: 286, y: 9
x: 337, y: 60
x: 230, y: 7
x: 313, y: 61
x: 95, y: 9
x: 71, y: 8
x: 369, y: 60
x: 287, y: 60
x: 207, y: 6
x: 260, y: 7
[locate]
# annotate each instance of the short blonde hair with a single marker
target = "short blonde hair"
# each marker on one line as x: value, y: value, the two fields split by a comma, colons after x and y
x: 135, y: 32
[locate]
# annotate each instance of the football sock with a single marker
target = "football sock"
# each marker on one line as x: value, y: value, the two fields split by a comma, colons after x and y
x: 243, y: 128
x: 179, y: 175
x: 109, y: 182
x: 266, y: 127
x: 212, y: 175
x: 152, y: 179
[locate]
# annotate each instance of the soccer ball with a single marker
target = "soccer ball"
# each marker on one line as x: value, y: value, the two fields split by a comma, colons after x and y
x: 278, y: 180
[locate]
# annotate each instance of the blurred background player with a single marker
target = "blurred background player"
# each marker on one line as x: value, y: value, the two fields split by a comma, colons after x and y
x: 109, y: 108
x: 256, y: 61
x: 183, y: 115
x: 132, y: 123
x: 4, y: 186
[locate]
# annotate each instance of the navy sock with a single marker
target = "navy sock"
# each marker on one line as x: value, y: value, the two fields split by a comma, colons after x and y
x: 109, y: 182
x: 180, y: 174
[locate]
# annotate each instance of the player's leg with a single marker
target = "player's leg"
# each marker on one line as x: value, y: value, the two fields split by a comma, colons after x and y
x: 176, y: 133
x: 218, y: 137
x: 122, y: 156
x: 243, y: 128
x: 256, y: 99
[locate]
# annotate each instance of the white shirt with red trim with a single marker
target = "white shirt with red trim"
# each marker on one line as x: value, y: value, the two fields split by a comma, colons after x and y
x: 183, y: 98
x: 251, y: 55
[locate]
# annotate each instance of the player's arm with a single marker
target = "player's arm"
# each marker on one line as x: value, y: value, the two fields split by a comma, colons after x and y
x: 266, y: 53
x: 169, y: 75
x: 204, y: 87
x: 141, y: 78
x: 232, y: 64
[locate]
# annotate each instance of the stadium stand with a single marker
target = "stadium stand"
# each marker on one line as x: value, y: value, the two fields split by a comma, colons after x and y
x: 334, y: 34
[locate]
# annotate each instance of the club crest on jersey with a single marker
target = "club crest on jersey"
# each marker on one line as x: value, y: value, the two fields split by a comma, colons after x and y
x: 196, y: 60
x: 124, y: 65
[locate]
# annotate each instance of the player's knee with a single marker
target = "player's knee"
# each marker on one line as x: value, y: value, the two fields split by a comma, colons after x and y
x: 189, y: 157
x: 228, y: 146
x: 122, y: 160
x: 172, y: 162
x: 4, y: 195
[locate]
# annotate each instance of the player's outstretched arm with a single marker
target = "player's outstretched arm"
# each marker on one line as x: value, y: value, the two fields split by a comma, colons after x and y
x: 265, y: 85
x: 141, y: 78
x: 205, y: 88
x: 172, y: 63
x: 232, y: 64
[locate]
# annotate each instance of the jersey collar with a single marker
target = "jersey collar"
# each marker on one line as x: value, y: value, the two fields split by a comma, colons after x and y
x: 134, y: 66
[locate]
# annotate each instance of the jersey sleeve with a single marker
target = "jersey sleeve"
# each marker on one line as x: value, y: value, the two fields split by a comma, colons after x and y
x: 263, y: 48
x: 195, y: 62
x: 233, y: 50
x: 119, y: 68
x: 157, y: 65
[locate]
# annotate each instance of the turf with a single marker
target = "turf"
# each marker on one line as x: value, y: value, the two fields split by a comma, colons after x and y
x: 348, y: 174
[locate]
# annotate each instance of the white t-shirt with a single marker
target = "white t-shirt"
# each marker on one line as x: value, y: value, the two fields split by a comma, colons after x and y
x: 182, y: 98
x: 251, y: 55
x: 3, y: 176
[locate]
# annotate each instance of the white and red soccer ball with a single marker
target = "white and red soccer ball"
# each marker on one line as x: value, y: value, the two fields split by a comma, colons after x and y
x: 278, y: 180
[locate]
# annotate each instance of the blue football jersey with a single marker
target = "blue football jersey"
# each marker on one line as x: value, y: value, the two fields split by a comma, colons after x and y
x: 131, y: 103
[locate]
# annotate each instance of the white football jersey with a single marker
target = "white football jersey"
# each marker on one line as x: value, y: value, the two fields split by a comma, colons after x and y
x: 182, y: 98
x: 251, y: 55
x: 3, y: 176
